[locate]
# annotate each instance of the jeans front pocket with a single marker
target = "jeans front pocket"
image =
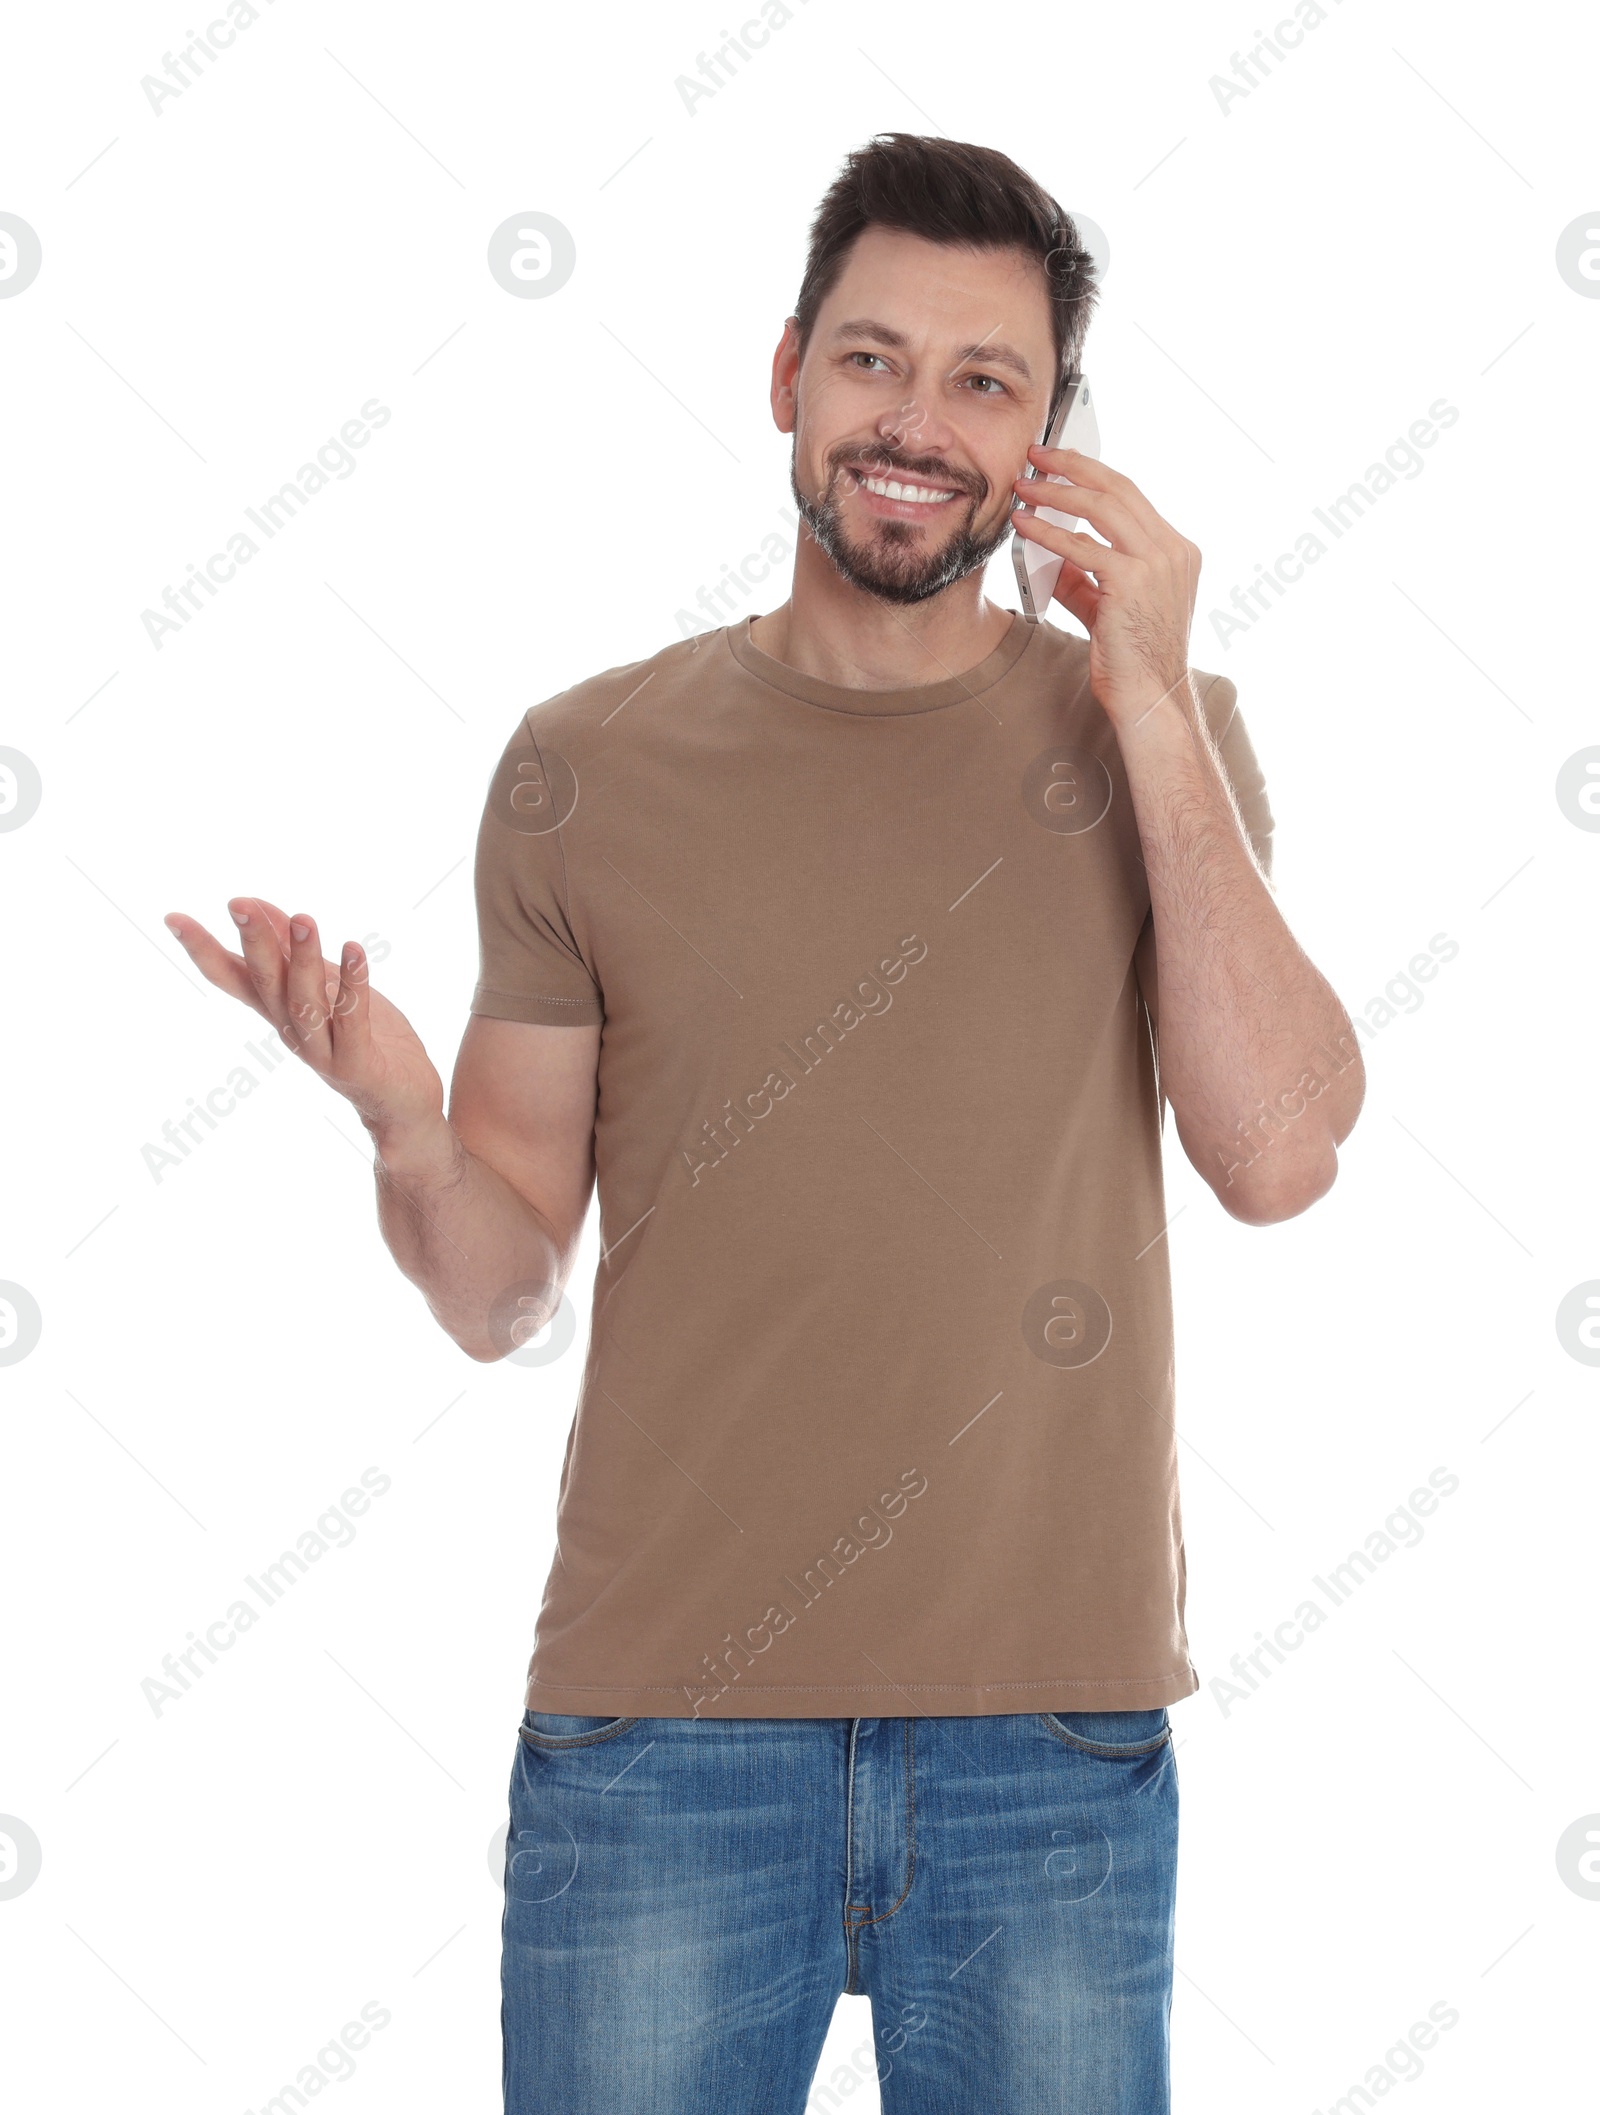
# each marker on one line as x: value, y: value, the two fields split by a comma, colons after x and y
x: 564, y: 1729
x: 1112, y: 1734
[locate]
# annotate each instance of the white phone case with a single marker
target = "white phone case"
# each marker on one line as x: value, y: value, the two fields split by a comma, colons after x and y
x: 1074, y: 426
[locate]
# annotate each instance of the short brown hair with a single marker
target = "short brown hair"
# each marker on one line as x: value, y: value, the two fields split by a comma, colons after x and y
x: 949, y: 191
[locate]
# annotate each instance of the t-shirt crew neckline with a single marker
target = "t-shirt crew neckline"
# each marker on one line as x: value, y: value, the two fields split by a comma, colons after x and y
x: 840, y: 697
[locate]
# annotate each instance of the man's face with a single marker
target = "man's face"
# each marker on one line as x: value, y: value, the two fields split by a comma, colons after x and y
x: 928, y: 372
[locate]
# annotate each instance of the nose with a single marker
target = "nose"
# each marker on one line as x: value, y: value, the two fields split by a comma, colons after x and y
x: 916, y: 427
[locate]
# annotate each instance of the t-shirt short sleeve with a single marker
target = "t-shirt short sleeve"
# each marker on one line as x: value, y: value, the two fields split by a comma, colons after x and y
x: 1220, y: 700
x: 530, y: 965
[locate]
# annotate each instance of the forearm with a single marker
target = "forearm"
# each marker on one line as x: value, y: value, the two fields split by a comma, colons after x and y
x: 487, y: 1262
x: 1258, y: 1059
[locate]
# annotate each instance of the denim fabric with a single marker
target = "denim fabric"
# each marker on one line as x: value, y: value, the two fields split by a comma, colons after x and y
x: 687, y: 1898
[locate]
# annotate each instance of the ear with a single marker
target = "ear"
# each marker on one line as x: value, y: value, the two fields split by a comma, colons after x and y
x: 785, y: 378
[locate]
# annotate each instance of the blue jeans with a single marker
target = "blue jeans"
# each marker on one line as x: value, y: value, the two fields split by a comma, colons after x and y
x: 687, y: 1898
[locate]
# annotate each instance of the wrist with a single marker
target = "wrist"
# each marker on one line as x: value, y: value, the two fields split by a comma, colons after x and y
x: 1159, y: 723
x: 412, y: 1149
x: 1166, y: 697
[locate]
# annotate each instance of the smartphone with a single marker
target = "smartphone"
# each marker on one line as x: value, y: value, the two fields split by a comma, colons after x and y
x: 1074, y: 426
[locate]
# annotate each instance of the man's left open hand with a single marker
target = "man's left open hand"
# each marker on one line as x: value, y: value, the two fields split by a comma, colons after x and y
x: 1134, y: 594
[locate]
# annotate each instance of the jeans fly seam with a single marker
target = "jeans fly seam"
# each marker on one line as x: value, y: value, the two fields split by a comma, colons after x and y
x: 911, y: 1827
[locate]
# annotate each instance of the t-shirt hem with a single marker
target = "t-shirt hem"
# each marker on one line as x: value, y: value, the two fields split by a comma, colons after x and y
x: 544, y: 1011
x: 1139, y: 1692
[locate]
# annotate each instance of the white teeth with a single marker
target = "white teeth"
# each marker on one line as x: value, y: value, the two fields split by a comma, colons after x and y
x: 888, y: 488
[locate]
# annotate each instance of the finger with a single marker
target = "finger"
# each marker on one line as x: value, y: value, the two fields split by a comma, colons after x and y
x: 1191, y: 573
x: 306, y: 990
x: 351, y: 1026
x: 1089, y: 470
x: 281, y: 924
x: 1116, y: 521
x: 265, y: 960
x: 1097, y: 558
x: 277, y: 919
x: 212, y: 959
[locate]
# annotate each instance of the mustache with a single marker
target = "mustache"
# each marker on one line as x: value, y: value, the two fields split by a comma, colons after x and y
x: 886, y: 462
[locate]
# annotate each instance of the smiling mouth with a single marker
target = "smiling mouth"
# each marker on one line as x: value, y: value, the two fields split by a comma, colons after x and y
x: 902, y: 490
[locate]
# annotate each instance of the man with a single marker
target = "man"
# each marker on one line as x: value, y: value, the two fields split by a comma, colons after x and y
x: 856, y: 949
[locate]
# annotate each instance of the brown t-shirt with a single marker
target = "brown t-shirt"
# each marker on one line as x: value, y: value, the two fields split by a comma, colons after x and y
x: 876, y: 1417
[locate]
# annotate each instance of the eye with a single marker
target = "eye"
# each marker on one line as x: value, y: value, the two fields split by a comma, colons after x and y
x: 996, y: 385
x: 882, y: 362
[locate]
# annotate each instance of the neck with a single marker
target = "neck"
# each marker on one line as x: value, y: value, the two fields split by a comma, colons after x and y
x: 839, y: 634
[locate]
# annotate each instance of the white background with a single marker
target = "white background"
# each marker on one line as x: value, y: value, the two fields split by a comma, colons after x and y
x: 1292, y: 283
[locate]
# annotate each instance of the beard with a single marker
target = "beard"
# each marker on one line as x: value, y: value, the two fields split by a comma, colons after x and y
x: 896, y: 563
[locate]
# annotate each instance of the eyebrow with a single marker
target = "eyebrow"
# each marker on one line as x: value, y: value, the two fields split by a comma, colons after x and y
x: 986, y: 349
